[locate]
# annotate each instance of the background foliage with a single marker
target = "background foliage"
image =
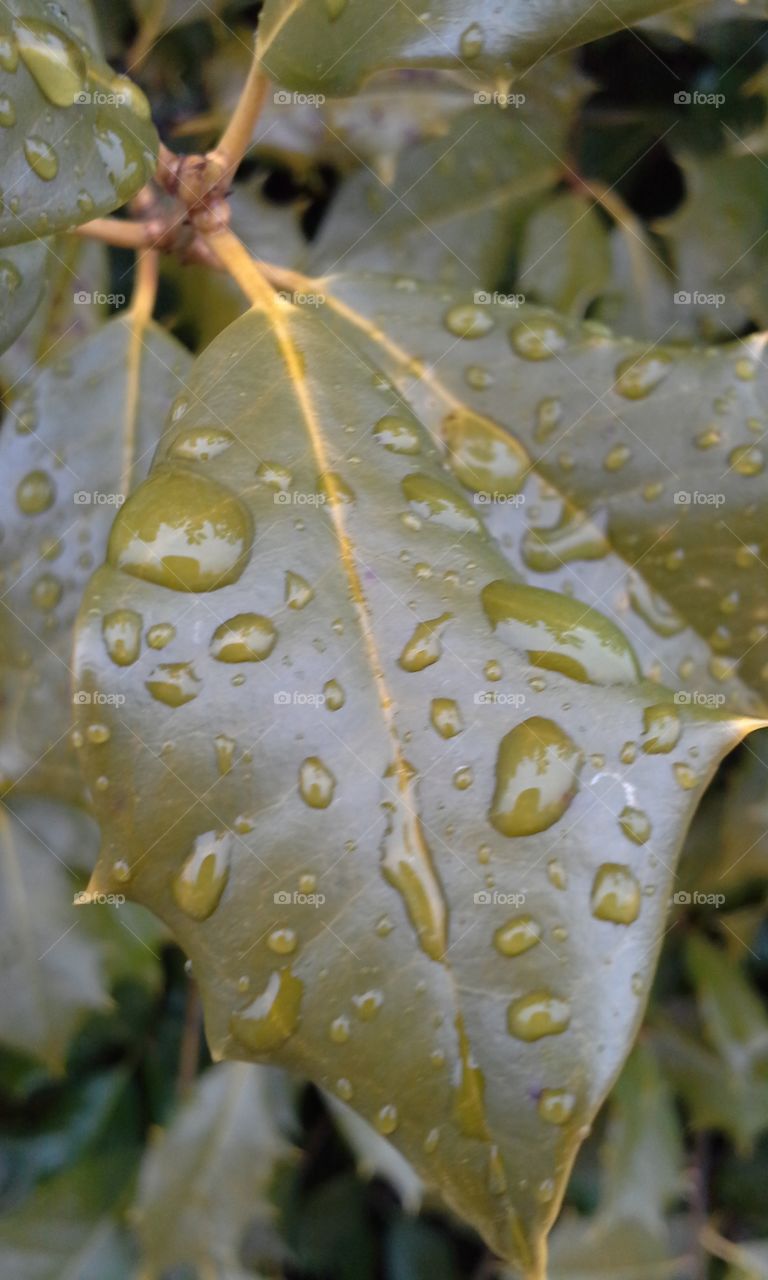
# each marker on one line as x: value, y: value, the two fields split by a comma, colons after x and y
x: 618, y: 183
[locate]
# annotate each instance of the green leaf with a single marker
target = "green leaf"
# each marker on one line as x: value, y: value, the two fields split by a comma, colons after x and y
x: 565, y: 259
x: 322, y: 552
x: 716, y: 243
x: 642, y: 1156
x: 77, y: 138
x: 22, y: 276
x: 725, y: 1087
x: 58, y: 491
x: 334, y: 45
x: 564, y: 432
x: 82, y: 1239
x: 455, y: 206
x: 206, y: 1179
x: 51, y: 970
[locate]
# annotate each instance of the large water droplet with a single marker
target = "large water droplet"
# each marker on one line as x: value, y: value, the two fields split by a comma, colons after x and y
x: 41, y: 158
x: 538, y: 1014
x: 424, y: 647
x: 635, y: 824
x: 334, y: 695
x: 537, y: 771
x: 638, y: 376
x: 539, y: 338
x: 52, y: 59
x: 406, y: 862
x: 200, y: 444
x: 616, y: 894
x: 272, y: 1017
x: 469, y: 321
x: 174, y: 683
x: 747, y: 460
x: 516, y: 936
x: 397, y: 434
x: 661, y: 729
x: 298, y: 592
x: 438, y: 502
x: 560, y: 633
x: 122, y: 635
x: 484, y: 458
x: 182, y: 531
x: 199, y: 885
x: 572, y: 538
x: 248, y: 637
x: 446, y: 717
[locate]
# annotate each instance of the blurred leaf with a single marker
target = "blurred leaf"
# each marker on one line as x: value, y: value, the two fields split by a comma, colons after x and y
x: 417, y: 1251
x: 213, y: 806
x: 334, y: 46
x: 58, y: 490
x: 51, y: 970
x: 748, y: 1261
x: 565, y: 259
x: 206, y: 1179
x: 333, y: 1231
x: 455, y: 205
x: 81, y: 141
x: 80, y: 1238
x: 628, y: 1238
x: 725, y: 1087
x: 375, y: 1157
x: 716, y: 242
x: 22, y: 277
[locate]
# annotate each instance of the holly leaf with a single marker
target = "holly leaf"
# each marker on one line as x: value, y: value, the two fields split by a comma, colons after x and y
x: 59, y: 490
x: 52, y: 970
x: 352, y: 792
x: 22, y: 276
x: 77, y: 139
x: 562, y: 432
x: 335, y: 45
x: 565, y: 259
x: 205, y: 1181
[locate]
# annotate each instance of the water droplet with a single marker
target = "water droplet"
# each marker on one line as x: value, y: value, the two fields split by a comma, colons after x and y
x: 492, y: 670
x: 556, y: 1105
x: 174, y: 683
x: 334, y: 488
x: 538, y: 1014
x: 478, y: 377
x: 549, y: 415
x: 41, y: 158
x: 747, y: 460
x: 9, y: 54
x: 615, y: 894
x: 298, y: 592
x: 123, y: 160
x: 560, y: 633
x: 335, y: 8
x: 516, y: 936
x: 537, y: 770
x: 160, y: 635
x: 35, y: 493
x: 53, y: 60
x: 387, y: 1119
x: 653, y: 608
x: 282, y: 941
x: 431, y: 1142
x: 273, y: 1016
x: 661, y: 729
x: 334, y: 695
x: 574, y: 537
x: 316, y: 783
x: 130, y: 95
x: 469, y: 1098
x: 617, y: 457
x: 472, y: 41
x: 339, y: 1030
x: 433, y: 500
x: 183, y: 531
x: 200, y: 444
x: 708, y: 438
x: 483, y: 457
x: 539, y: 338
x: 248, y: 637
x: 469, y: 321
x: 46, y: 592
x: 97, y: 734
x: 424, y: 647
x: 384, y: 927
x: 462, y: 778
x: 198, y: 886
x: 638, y: 376
x: 446, y: 717
x: 7, y: 119
x: 398, y: 435
x: 225, y: 753
x: 367, y: 1005
x: 557, y: 874
x: 121, y: 630
x: 122, y: 871
x: 406, y: 863
x: 685, y: 776
x: 635, y: 824
x: 344, y: 1089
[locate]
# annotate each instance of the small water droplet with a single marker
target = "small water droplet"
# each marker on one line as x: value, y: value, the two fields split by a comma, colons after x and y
x: 200, y: 444
x: 556, y: 1105
x: 35, y: 493
x: 41, y: 158
x: 615, y: 894
x: 446, y: 717
x: 661, y: 729
x: 517, y: 936
x: 273, y: 1016
x: 424, y: 647
x: 298, y: 592
x: 121, y: 630
x: 638, y: 376
x: 539, y: 338
x: 397, y: 435
x: 316, y: 783
x: 538, y: 1014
